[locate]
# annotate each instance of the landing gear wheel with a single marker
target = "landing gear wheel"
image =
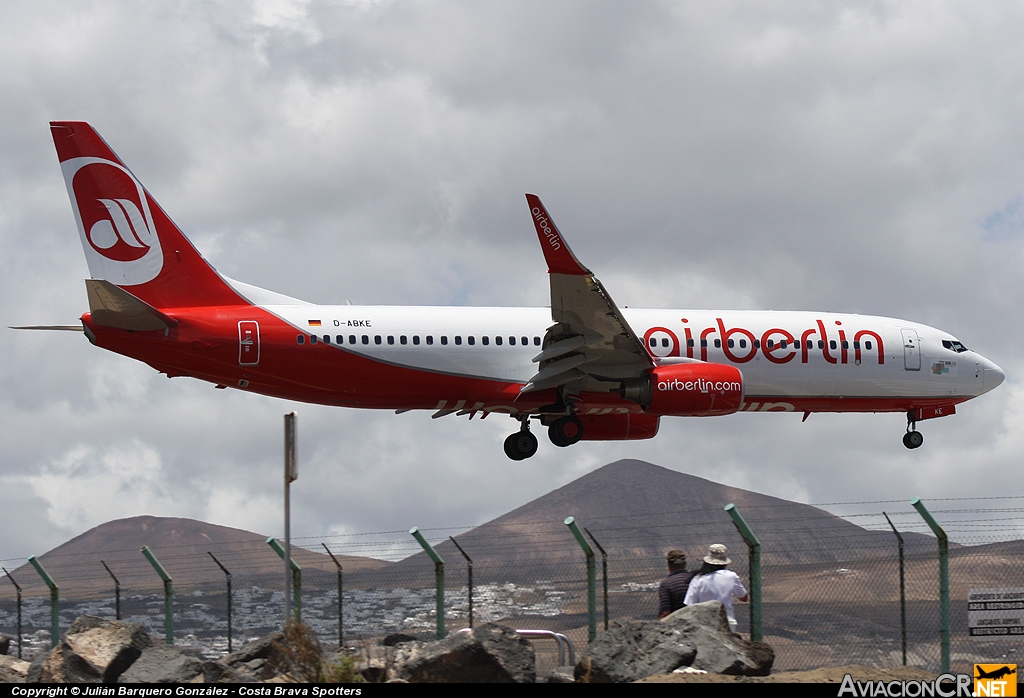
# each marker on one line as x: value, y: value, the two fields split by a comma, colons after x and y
x: 521, y: 445
x: 913, y: 439
x: 565, y: 431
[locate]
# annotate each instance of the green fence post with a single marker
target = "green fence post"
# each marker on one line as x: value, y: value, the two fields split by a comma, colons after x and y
x: 18, y: 588
x: 469, y: 574
x: 591, y: 578
x: 341, y: 599
x: 754, y: 550
x: 943, y: 578
x: 604, y: 574
x: 117, y: 591
x: 296, y: 579
x: 168, y: 594
x: 54, y: 601
x: 438, y: 577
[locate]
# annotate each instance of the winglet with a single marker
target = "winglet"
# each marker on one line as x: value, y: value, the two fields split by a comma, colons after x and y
x: 559, y: 257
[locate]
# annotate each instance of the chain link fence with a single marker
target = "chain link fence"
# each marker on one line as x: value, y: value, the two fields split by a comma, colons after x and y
x: 831, y: 591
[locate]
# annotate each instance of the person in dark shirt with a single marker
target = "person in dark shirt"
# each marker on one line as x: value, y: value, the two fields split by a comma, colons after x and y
x: 673, y: 588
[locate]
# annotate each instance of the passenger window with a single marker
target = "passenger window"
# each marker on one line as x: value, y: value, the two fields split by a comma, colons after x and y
x: 391, y: 339
x: 340, y: 339
x: 484, y: 340
x: 664, y: 342
x: 831, y: 344
x: 654, y: 342
x: 689, y: 342
x: 458, y: 339
x: 327, y: 339
x: 757, y: 343
x: 301, y: 339
x: 867, y: 345
x: 471, y: 340
x: 415, y: 339
x: 796, y: 343
x: 846, y: 345
x: 511, y: 341
x: 525, y: 341
x: 732, y: 343
x: 781, y: 343
x: 444, y: 339
x: 703, y: 343
x: 430, y: 339
x: 718, y: 344
x: 312, y: 339
x: 536, y: 341
x: 743, y: 344
x: 770, y: 344
x: 351, y: 339
x: 366, y: 339
x: 821, y: 343
x: 497, y: 340
x: 403, y: 340
x: 376, y: 339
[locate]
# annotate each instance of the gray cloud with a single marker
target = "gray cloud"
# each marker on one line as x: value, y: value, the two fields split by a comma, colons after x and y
x: 845, y: 157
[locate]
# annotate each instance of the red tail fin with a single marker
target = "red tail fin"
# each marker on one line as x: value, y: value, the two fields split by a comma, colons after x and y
x: 128, y: 239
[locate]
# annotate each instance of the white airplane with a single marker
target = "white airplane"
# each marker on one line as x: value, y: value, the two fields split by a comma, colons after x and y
x: 585, y: 369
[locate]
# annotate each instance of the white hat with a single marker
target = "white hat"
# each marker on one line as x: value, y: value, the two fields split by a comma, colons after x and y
x: 716, y: 555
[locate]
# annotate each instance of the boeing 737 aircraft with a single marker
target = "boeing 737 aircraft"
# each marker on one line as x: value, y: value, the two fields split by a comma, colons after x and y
x: 585, y: 369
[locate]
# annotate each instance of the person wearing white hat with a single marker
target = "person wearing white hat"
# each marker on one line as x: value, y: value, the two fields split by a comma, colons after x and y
x: 715, y: 583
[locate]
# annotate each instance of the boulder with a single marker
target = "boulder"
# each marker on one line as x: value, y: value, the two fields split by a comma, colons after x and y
x: 94, y: 650
x: 260, y: 659
x: 12, y: 669
x: 164, y: 664
x: 696, y: 636
x: 5, y: 645
x: 488, y: 654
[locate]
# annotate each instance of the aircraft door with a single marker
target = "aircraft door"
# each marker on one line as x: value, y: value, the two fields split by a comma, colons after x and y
x: 911, y: 350
x: 248, y: 343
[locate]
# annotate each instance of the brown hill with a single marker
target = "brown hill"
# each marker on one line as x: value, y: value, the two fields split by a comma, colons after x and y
x: 638, y: 510
x: 181, y: 545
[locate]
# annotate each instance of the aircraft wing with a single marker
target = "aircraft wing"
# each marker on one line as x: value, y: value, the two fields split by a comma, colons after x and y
x: 590, y: 346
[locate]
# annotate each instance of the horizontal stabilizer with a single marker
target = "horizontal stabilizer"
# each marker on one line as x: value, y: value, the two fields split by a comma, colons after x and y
x: 114, y: 307
x: 62, y: 328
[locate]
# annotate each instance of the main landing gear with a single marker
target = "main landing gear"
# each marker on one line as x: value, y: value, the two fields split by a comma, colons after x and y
x: 522, y: 444
x: 565, y: 431
x: 913, y: 438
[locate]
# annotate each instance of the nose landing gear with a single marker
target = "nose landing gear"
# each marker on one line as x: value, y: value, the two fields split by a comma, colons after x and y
x: 913, y: 438
x: 522, y: 444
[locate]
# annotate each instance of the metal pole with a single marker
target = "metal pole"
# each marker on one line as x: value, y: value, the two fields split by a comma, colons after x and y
x: 469, y: 568
x: 291, y: 473
x: 903, y: 591
x: 943, y: 578
x: 604, y: 574
x: 591, y: 581
x: 18, y: 589
x: 438, y: 578
x: 168, y: 594
x: 296, y: 578
x: 341, y: 606
x: 228, y: 576
x: 754, y: 550
x: 54, y: 601
x: 117, y: 592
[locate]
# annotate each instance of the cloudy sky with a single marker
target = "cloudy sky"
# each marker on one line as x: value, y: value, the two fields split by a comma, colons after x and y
x: 864, y: 157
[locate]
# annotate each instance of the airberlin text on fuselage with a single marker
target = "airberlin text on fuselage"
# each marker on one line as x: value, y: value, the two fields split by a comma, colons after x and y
x: 778, y: 345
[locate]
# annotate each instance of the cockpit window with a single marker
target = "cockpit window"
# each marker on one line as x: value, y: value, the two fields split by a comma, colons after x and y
x: 954, y: 345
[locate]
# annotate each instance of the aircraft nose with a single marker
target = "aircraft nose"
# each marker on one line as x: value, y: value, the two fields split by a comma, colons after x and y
x: 992, y: 378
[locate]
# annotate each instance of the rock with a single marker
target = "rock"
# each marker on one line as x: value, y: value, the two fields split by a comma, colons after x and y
x: 630, y: 650
x: 375, y: 661
x: 12, y: 669
x: 562, y: 674
x: 696, y: 636
x: 260, y: 659
x: 397, y: 639
x: 163, y: 664
x: 5, y: 645
x: 94, y: 650
x: 488, y: 654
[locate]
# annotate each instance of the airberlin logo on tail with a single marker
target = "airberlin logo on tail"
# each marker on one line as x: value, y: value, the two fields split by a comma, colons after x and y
x: 545, y: 227
x: 114, y: 220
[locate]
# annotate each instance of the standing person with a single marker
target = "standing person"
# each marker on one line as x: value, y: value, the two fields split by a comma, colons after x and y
x: 713, y: 582
x: 672, y: 590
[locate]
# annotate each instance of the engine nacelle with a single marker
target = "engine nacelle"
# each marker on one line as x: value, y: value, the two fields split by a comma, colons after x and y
x: 618, y: 427
x: 688, y: 390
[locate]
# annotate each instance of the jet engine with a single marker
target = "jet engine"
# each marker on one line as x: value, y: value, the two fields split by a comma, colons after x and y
x: 687, y: 390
